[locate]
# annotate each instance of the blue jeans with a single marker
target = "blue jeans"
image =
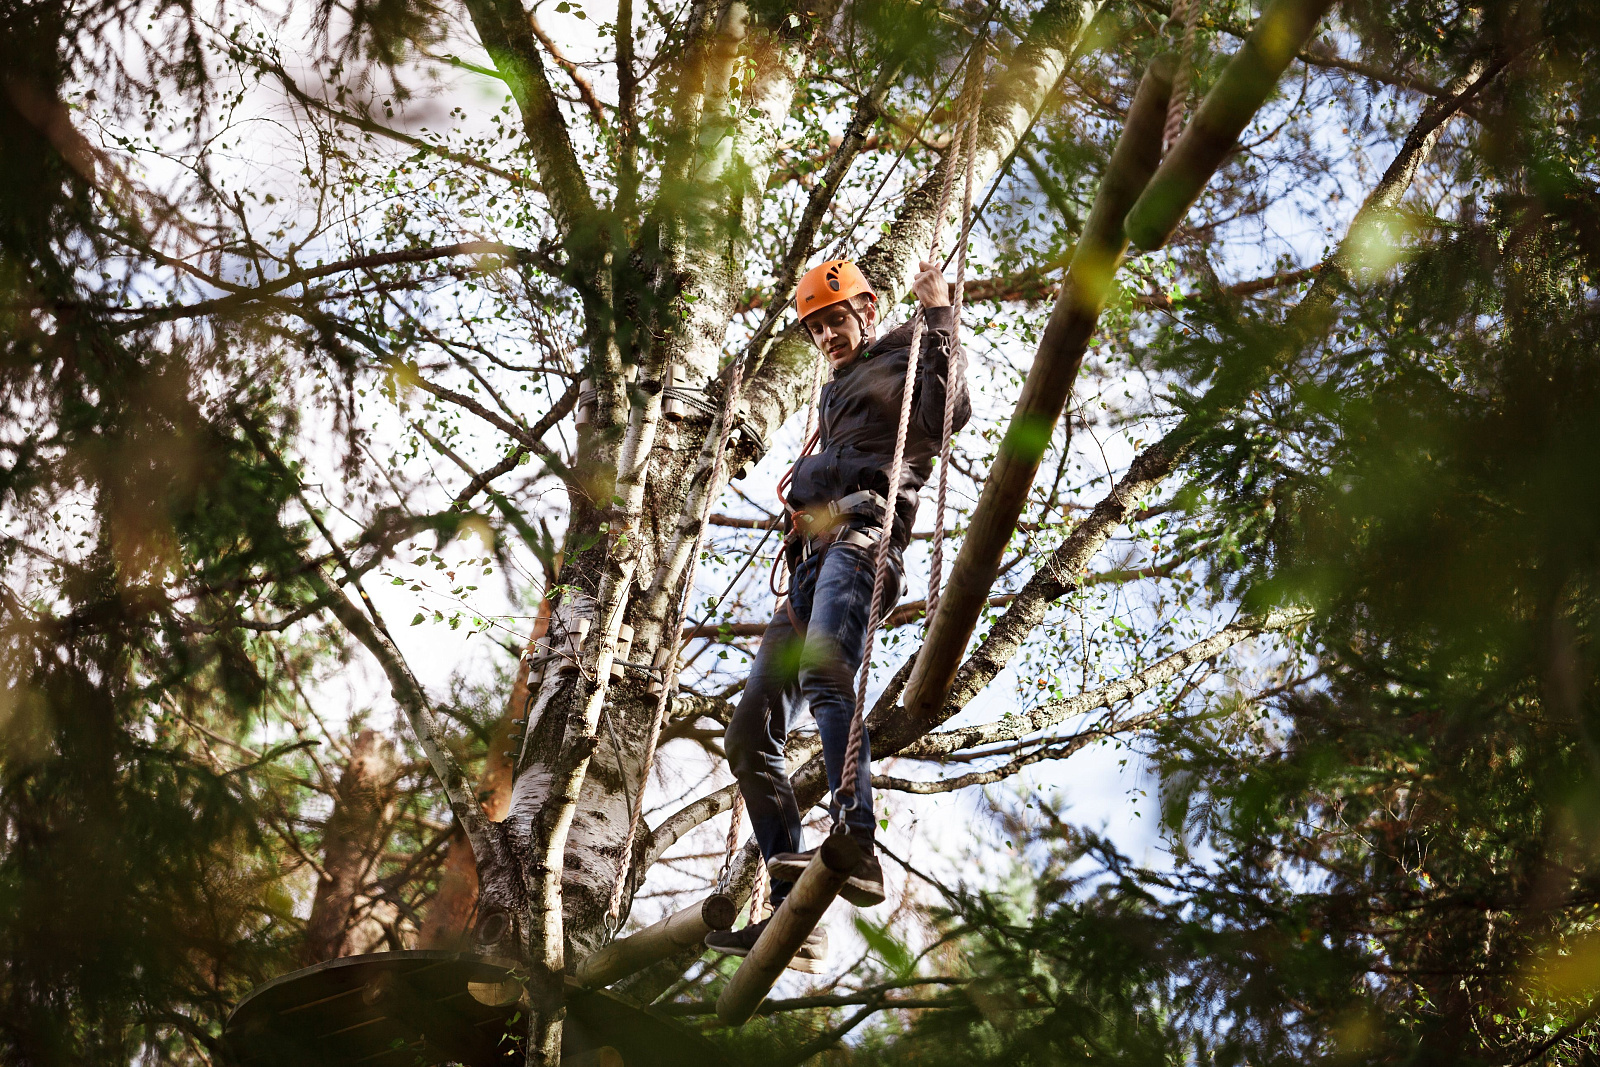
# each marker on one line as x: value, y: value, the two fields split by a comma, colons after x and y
x: 831, y: 595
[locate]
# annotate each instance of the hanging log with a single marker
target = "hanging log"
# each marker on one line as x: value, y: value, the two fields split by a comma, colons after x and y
x: 1066, y: 336
x: 791, y: 924
x: 1244, y: 86
x: 631, y: 954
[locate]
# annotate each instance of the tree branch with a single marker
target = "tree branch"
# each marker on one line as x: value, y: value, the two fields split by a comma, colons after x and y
x: 413, y: 701
x: 361, y: 122
x: 1014, y: 727
x: 522, y: 435
x: 507, y: 35
x: 690, y: 1009
x: 585, y: 90
x: 302, y: 276
x: 911, y: 611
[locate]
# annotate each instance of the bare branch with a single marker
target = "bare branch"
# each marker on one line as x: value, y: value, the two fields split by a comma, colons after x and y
x: 912, y: 611
x: 367, y: 125
x: 1014, y: 727
x: 560, y: 410
x: 523, y: 435
x: 301, y: 276
x: 1035, y: 283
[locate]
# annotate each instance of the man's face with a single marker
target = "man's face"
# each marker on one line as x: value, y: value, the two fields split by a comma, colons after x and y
x: 837, y: 330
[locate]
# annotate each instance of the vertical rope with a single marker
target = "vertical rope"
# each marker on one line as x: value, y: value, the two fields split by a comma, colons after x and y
x: 809, y: 441
x: 936, y: 552
x: 734, y: 819
x: 1186, y: 13
x: 758, y: 895
x: 675, y: 643
x: 814, y: 413
x: 858, y: 723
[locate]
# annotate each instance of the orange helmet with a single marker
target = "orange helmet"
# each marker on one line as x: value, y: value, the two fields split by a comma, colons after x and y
x: 830, y: 282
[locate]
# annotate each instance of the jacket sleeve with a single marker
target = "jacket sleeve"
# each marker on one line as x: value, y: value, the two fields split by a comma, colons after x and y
x: 942, y: 366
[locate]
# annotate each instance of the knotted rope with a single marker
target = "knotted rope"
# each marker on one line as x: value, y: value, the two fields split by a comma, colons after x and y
x: 725, y: 872
x: 1185, y: 13
x: 971, y: 96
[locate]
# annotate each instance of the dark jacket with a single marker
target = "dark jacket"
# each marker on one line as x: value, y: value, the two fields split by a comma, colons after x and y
x: 860, y: 413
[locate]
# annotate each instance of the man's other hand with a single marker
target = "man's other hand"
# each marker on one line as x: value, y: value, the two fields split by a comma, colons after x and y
x: 929, y: 285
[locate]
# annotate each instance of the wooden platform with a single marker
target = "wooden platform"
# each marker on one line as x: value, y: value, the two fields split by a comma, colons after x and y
x: 415, y: 1009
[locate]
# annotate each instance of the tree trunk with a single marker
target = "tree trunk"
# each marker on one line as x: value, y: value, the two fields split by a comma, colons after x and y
x: 353, y: 840
x: 445, y: 925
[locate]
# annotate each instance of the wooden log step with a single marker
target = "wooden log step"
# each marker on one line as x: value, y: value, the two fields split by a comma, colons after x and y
x: 632, y: 954
x: 791, y: 924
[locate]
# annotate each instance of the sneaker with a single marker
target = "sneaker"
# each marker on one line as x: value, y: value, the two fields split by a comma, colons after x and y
x: 811, y: 958
x: 864, y: 889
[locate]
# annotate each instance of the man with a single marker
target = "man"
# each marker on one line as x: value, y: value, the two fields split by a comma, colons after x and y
x: 836, y: 498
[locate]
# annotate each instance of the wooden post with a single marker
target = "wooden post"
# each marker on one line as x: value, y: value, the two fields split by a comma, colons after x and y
x: 1244, y: 86
x: 798, y: 915
x: 1066, y: 336
x: 631, y: 954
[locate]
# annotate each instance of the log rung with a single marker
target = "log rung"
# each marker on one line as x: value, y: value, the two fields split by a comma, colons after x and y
x: 632, y: 954
x: 798, y: 915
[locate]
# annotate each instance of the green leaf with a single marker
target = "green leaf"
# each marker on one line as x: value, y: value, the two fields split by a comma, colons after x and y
x: 888, y: 948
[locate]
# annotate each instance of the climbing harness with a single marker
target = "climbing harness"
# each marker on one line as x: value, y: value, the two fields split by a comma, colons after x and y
x: 845, y: 797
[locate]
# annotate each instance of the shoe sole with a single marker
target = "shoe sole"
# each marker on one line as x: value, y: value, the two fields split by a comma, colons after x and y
x: 861, y: 894
x: 806, y: 964
x: 740, y: 952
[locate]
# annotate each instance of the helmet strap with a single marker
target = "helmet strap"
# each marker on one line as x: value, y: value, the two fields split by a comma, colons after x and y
x: 867, y: 336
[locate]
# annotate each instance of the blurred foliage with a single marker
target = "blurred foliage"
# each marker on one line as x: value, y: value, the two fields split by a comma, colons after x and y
x: 1397, y: 863
x: 1387, y: 858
